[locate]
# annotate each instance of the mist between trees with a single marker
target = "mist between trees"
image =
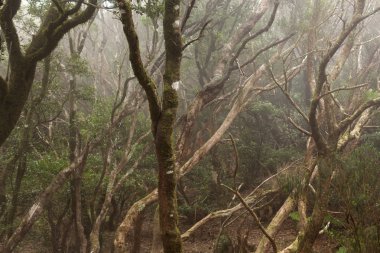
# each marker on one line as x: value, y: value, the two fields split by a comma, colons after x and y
x: 174, y: 126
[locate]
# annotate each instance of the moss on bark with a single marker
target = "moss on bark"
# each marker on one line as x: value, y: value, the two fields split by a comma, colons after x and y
x: 163, y: 115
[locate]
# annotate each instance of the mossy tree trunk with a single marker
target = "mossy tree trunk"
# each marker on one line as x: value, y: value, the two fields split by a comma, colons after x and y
x: 171, y: 237
x: 163, y: 115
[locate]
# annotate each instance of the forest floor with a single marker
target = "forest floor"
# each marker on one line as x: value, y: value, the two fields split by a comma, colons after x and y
x: 203, y: 239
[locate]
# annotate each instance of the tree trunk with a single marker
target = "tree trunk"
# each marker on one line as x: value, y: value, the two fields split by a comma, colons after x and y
x: 167, y: 175
x: 156, y: 240
x: 20, y: 83
x: 326, y: 166
x: 22, y: 65
x: 163, y: 116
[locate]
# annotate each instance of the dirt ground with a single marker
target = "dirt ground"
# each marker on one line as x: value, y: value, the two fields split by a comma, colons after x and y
x: 203, y: 239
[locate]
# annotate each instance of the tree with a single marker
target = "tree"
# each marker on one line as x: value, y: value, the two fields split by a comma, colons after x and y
x: 162, y: 114
x: 330, y: 129
x: 223, y: 69
x: 275, y: 75
x: 60, y: 17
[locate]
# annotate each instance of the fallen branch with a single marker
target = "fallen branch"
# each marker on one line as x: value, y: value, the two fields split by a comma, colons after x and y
x: 254, y: 215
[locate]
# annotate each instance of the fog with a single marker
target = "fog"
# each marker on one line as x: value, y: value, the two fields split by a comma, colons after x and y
x: 216, y: 126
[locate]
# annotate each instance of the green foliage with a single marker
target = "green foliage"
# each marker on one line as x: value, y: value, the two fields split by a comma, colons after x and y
x: 373, y: 139
x: 94, y: 122
x: 86, y: 93
x: 265, y: 142
x: 43, y: 168
x: 78, y: 66
x: 358, y: 188
x: 224, y: 244
x: 295, y: 216
x: 151, y: 8
x: 371, y: 94
x: 334, y: 221
x: 37, y: 7
x: 342, y: 250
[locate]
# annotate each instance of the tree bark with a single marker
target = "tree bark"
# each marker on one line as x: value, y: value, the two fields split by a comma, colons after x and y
x: 163, y: 116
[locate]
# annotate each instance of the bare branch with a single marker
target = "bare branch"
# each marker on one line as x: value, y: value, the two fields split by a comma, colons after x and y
x: 295, y: 105
x: 367, y: 41
x: 186, y: 17
x: 259, y: 52
x: 299, y: 127
x: 343, y: 88
x: 347, y: 121
x: 199, y: 36
x: 258, y: 33
x: 236, y: 158
x: 253, y: 214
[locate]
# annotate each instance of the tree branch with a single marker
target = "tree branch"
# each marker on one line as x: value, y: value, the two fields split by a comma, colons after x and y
x: 259, y: 52
x: 47, y: 39
x: 286, y: 93
x: 186, y: 17
x: 11, y: 6
x: 322, y: 77
x: 347, y: 121
x: 199, y: 36
x: 299, y: 127
x: 343, y: 88
x: 137, y: 65
x: 258, y: 33
x: 58, y: 5
x: 7, y: 13
x: 253, y: 214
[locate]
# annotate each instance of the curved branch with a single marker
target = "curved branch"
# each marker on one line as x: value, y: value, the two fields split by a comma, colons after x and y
x: 304, y: 131
x: 137, y: 65
x: 347, y: 121
x: 47, y: 39
x: 258, y: 33
x: 286, y: 93
x: 199, y: 36
x: 7, y: 13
